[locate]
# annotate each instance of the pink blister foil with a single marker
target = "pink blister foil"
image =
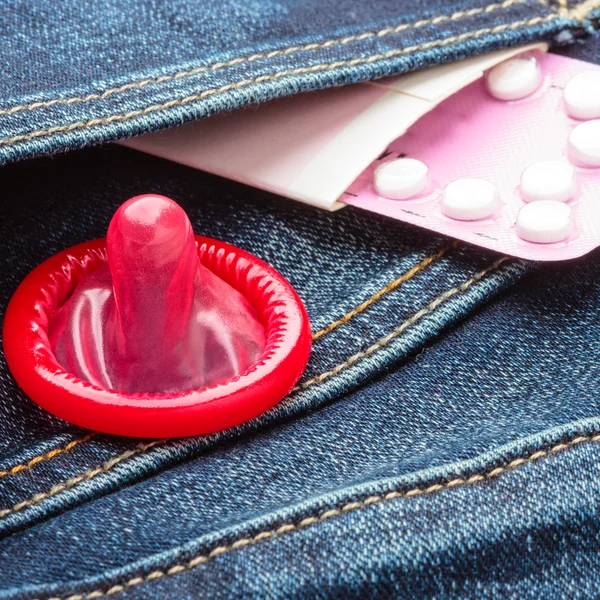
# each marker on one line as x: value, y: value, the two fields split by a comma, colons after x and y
x: 473, y: 135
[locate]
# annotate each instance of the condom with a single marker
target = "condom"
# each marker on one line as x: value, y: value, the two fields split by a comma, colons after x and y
x: 154, y: 319
x: 155, y: 331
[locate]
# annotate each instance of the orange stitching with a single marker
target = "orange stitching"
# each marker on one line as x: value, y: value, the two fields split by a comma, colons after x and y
x: 333, y: 512
x: 377, y: 296
x: 119, y: 118
x: 71, y: 483
x: 48, y: 456
x: 408, y: 275
x: 90, y: 474
x: 274, y: 53
x: 463, y: 287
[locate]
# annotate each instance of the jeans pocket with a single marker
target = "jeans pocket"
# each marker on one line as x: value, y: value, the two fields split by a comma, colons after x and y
x: 376, y: 291
x: 467, y: 470
x: 379, y: 293
x: 91, y: 78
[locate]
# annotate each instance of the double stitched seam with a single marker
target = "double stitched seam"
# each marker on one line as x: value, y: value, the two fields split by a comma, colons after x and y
x: 265, y: 55
x: 388, y: 288
x: 119, y: 118
x: 329, y: 514
x: 90, y: 474
x: 382, y: 292
x: 87, y: 476
x: 463, y: 287
x: 45, y: 457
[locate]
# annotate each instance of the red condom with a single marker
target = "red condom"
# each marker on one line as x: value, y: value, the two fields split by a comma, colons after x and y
x: 154, y: 319
x: 155, y: 332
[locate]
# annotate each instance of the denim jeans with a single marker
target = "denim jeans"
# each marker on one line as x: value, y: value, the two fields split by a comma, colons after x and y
x: 444, y: 439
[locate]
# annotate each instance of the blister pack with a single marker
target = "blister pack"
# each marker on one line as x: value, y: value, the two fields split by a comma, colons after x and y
x: 501, y: 150
x: 510, y: 162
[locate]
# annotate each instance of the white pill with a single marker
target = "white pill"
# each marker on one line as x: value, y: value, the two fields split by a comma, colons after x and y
x: 544, y: 222
x: 582, y: 95
x: 548, y: 180
x: 515, y: 78
x: 401, y: 178
x: 584, y: 144
x: 469, y: 199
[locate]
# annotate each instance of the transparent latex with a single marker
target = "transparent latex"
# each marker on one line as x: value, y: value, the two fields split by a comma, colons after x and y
x: 154, y: 319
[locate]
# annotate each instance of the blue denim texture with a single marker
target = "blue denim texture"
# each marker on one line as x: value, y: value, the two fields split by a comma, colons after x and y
x: 77, y: 73
x: 444, y: 443
x: 446, y: 398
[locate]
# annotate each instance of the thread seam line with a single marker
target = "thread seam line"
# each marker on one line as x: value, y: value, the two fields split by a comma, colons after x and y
x: 581, y: 10
x: 263, y: 55
x: 384, y: 341
x: 422, y: 265
x: 73, y: 481
x: 47, y: 456
x: 388, y: 288
x: 91, y: 473
x: 373, y: 299
x: 119, y: 118
x: 335, y: 512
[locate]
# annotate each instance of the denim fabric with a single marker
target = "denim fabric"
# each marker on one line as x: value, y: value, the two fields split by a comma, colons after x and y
x: 315, y: 250
x: 444, y: 439
x: 77, y: 73
x: 444, y: 399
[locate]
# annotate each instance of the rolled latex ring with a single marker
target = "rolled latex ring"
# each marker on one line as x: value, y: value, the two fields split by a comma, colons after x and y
x: 194, y: 412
